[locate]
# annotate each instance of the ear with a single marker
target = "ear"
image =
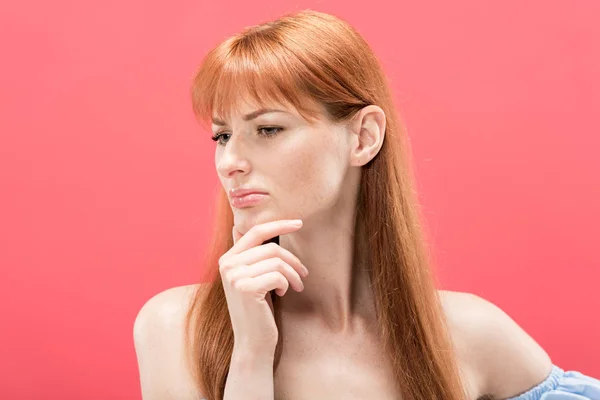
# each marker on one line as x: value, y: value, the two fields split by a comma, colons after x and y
x: 368, y: 131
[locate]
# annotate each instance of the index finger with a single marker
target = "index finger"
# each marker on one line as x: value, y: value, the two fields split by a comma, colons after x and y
x: 236, y: 234
x: 263, y: 232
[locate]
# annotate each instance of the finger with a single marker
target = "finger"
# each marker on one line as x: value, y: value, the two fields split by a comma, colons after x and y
x: 265, y: 266
x: 262, y: 252
x: 265, y: 283
x: 236, y: 234
x: 262, y: 232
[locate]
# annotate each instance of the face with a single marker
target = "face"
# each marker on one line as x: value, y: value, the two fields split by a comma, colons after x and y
x: 300, y: 165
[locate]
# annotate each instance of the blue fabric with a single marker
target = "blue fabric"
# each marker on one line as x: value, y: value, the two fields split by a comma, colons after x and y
x: 561, y: 385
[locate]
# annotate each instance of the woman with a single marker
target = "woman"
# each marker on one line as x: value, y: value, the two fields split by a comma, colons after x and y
x: 306, y: 130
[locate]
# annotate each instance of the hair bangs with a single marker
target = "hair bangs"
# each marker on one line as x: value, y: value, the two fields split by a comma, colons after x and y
x: 251, y: 71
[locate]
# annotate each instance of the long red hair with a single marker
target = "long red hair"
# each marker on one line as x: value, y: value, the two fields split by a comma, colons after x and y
x: 309, y: 55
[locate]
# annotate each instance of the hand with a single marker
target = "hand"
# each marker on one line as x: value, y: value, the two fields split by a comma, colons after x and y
x: 249, y: 271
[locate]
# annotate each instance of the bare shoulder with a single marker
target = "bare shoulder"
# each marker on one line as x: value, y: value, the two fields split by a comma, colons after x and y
x: 166, y: 309
x: 502, y: 358
x: 159, y: 335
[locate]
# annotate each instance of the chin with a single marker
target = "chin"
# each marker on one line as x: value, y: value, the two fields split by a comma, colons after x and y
x: 246, y: 218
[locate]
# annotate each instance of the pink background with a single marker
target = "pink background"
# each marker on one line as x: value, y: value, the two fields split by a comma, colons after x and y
x: 106, y: 177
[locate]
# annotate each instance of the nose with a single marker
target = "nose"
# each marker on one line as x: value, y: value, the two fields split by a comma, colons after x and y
x: 231, y: 160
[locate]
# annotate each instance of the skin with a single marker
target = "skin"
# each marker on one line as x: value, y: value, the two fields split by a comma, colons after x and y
x: 311, y: 171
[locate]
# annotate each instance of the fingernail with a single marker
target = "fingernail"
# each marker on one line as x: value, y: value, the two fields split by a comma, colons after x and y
x: 296, y: 222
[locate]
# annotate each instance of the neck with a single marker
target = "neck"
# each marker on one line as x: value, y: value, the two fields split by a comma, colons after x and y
x: 336, y: 294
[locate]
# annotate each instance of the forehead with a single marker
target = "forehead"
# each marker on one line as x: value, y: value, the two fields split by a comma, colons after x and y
x: 247, y: 109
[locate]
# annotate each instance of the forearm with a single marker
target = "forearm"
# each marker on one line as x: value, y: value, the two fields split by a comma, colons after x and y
x: 250, y: 376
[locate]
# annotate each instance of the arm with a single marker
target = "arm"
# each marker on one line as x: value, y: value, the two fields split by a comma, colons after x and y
x: 250, y: 376
x: 158, y: 334
x: 159, y: 344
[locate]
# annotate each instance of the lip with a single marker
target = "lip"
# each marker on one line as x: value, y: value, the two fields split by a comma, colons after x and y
x: 248, y: 200
x: 246, y: 197
x: 239, y: 192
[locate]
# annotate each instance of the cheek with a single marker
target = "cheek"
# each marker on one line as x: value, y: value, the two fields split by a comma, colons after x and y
x: 313, y: 175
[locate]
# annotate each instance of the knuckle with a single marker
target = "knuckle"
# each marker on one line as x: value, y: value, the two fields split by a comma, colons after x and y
x: 223, y: 269
x: 232, y: 279
x: 222, y: 263
x: 256, y: 229
x: 226, y: 266
x: 282, y: 280
x: 238, y: 285
x: 280, y: 264
x: 272, y: 247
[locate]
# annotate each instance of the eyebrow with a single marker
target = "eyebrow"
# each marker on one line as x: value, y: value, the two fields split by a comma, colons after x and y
x: 250, y: 116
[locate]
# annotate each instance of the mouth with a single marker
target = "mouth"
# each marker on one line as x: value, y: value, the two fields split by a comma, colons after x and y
x: 248, y: 200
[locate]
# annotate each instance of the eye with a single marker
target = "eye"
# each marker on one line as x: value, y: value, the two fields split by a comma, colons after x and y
x: 217, y: 138
x: 266, y: 131
x: 274, y: 130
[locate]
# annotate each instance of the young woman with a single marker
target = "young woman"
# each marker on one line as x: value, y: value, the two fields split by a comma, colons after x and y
x: 319, y: 285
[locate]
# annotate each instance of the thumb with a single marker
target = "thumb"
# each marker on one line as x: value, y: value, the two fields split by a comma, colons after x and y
x: 236, y: 235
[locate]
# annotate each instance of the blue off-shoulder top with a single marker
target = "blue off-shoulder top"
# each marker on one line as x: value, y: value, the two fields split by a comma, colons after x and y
x: 563, y: 385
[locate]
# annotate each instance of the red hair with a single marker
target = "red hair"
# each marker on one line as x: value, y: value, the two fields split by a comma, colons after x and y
x: 303, y: 58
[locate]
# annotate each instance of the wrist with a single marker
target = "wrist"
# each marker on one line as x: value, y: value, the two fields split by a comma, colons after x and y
x: 245, y: 356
